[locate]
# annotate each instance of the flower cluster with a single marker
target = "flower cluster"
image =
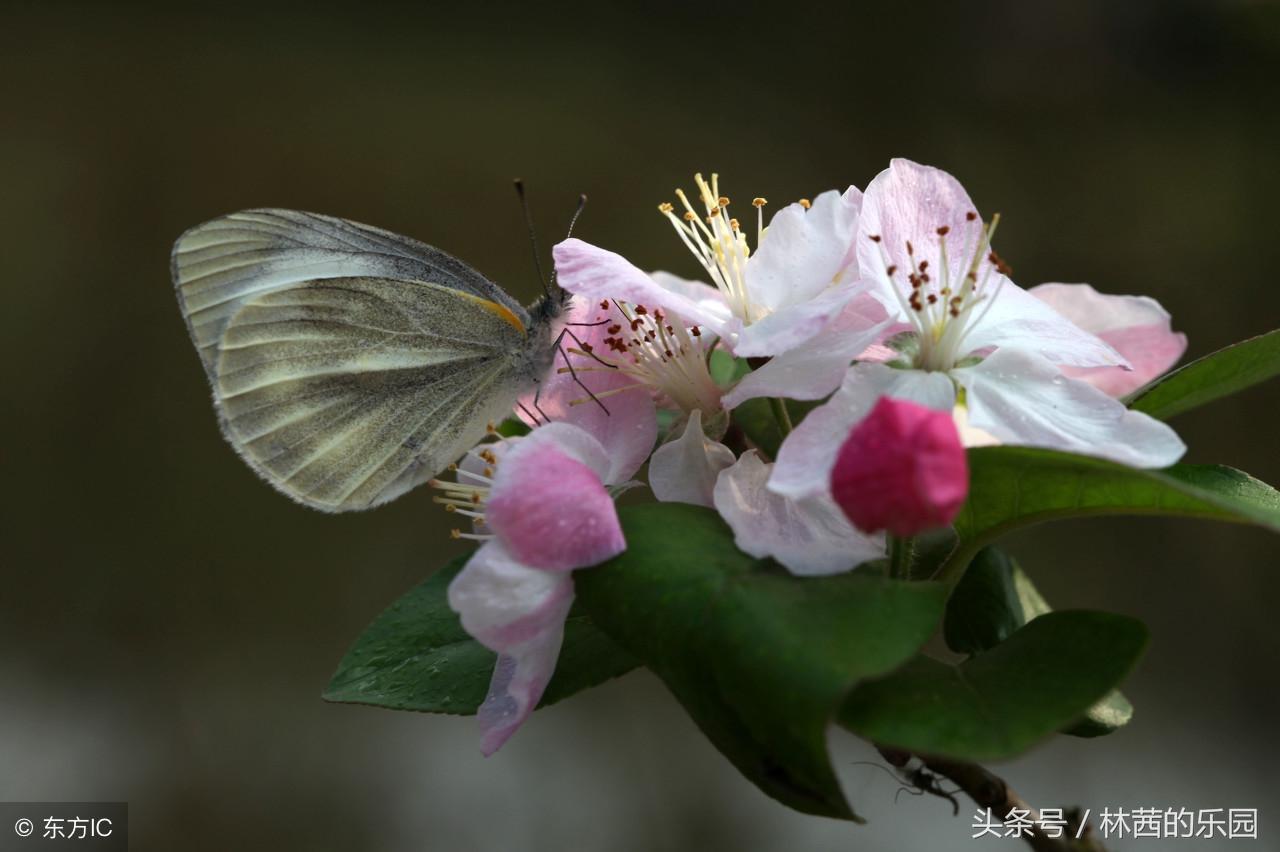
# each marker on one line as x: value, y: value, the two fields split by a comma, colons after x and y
x: 891, y: 307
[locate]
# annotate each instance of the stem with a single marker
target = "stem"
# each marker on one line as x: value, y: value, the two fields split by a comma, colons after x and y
x: 780, y: 414
x: 989, y: 791
x: 901, y: 552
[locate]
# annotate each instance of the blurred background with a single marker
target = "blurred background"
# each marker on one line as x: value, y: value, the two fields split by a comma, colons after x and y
x: 168, y: 622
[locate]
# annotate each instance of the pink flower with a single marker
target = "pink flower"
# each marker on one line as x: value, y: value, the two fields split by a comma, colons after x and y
x: 543, y: 506
x: 902, y: 469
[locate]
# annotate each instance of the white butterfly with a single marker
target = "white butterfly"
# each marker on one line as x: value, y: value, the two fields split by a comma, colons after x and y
x: 350, y: 364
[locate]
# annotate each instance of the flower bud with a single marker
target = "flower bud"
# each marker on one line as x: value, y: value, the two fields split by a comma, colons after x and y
x: 902, y: 469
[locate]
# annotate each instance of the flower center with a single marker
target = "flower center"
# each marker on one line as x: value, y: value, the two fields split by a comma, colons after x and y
x: 717, y: 241
x: 945, y: 303
x: 657, y: 352
x: 473, y: 479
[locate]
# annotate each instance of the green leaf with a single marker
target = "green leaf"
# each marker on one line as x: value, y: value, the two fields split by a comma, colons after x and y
x: 991, y: 602
x: 416, y: 656
x: 760, y: 659
x: 1220, y: 374
x: 512, y: 427
x: 1012, y: 487
x: 999, y: 703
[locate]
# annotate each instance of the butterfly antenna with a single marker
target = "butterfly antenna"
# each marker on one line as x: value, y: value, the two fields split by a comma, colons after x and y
x: 582, y: 202
x: 533, y: 237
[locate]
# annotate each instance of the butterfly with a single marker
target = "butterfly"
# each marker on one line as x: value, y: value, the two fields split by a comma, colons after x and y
x: 350, y: 364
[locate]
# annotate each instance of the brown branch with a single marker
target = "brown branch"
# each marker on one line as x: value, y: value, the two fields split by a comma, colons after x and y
x: 990, y: 792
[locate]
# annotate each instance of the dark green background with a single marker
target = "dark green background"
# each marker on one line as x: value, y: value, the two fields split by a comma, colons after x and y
x: 168, y: 622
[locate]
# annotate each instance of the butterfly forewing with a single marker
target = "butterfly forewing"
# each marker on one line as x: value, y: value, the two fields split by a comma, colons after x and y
x: 344, y: 391
x: 219, y: 265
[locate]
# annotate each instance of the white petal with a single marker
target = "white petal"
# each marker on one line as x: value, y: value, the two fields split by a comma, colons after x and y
x: 810, y: 537
x: 804, y: 251
x: 816, y: 368
x: 794, y: 324
x: 517, y: 612
x: 1135, y: 326
x: 685, y: 470
x: 809, y: 452
x: 1022, y: 399
x: 1016, y: 319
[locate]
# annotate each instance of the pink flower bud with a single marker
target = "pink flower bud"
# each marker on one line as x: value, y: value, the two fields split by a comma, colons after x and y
x: 902, y: 469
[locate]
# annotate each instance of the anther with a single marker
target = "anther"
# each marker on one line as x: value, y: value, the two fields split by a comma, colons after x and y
x: 758, y: 202
x: 970, y: 216
x: 944, y: 230
x: 665, y: 207
x: 891, y: 270
x: 805, y: 203
x: 722, y: 201
x: 875, y: 238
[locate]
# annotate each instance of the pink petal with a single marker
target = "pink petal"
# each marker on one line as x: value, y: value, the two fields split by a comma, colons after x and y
x: 517, y: 612
x: 685, y: 470
x: 596, y: 274
x: 1135, y: 326
x: 809, y: 536
x: 807, y: 455
x: 1023, y: 399
x: 902, y: 469
x: 804, y: 251
x: 548, y: 504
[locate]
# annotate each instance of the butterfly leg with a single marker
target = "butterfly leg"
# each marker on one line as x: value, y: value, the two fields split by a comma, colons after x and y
x: 559, y: 346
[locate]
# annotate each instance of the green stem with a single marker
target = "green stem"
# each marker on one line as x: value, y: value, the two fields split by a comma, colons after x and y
x: 901, y: 552
x: 780, y: 414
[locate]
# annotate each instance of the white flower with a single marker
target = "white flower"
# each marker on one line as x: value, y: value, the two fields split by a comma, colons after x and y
x: 974, y: 342
x: 762, y: 302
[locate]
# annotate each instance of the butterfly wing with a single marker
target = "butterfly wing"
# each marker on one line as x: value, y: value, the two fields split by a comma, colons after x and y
x: 221, y: 264
x: 344, y: 391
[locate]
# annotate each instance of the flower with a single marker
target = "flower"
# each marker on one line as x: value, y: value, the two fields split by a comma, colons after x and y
x: 798, y: 279
x: 542, y: 506
x: 637, y: 346
x: 973, y: 342
x: 902, y: 469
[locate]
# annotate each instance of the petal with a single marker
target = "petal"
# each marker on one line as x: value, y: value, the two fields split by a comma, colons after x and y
x: 548, y: 504
x: 597, y: 274
x: 804, y: 251
x: 1016, y: 319
x: 685, y: 470
x: 807, y: 455
x: 810, y: 536
x: 794, y: 324
x: 623, y: 422
x: 517, y: 612
x: 1023, y: 399
x: 1135, y: 326
x: 908, y: 202
x: 816, y: 368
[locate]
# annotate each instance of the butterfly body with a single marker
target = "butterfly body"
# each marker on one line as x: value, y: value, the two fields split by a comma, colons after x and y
x: 349, y: 364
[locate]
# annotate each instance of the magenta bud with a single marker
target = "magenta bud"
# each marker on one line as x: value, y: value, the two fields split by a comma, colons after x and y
x: 902, y: 469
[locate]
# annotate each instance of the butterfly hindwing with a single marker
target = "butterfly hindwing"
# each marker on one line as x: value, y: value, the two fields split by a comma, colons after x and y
x: 346, y: 392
